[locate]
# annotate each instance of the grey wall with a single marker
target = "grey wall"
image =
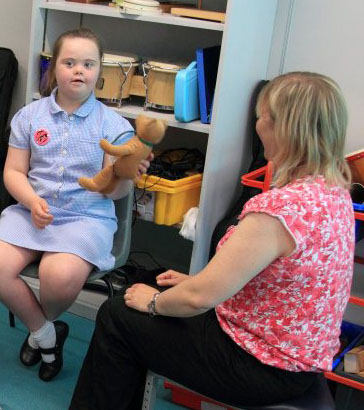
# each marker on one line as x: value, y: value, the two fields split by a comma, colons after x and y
x: 326, y: 36
x: 15, y: 19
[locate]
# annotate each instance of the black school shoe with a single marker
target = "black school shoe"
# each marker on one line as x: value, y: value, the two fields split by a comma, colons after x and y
x: 48, y: 371
x: 28, y: 355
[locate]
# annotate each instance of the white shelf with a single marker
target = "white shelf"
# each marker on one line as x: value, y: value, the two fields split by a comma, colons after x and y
x: 132, y: 111
x: 107, y: 11
x: 129, y: 110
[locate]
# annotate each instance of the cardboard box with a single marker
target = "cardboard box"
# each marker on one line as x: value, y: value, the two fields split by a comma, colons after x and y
x: 354, y: 360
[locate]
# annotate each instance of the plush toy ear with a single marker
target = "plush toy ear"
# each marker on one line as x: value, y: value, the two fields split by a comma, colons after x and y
x: 151, y: 129
x: 156, y: 128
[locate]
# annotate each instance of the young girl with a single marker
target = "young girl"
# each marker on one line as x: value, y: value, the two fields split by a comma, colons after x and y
x: 53, y: 142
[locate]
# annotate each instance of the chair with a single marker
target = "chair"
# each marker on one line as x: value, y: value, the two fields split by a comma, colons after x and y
x: 318, y: 397
x: 121, y: 247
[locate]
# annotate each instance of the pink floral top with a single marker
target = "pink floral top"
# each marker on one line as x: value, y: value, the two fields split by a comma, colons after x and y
x: 289, y: 315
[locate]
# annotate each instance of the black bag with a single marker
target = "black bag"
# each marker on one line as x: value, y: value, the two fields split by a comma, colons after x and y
x: 8, y: 75
x: 258, y: 161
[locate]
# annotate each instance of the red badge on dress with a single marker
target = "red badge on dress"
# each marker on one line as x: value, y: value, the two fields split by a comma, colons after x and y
x: 41, y: 137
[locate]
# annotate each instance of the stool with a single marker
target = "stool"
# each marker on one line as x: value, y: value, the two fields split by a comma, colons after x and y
x: 318, y: 397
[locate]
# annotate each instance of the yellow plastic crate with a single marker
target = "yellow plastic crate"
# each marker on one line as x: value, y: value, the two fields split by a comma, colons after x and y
x: 173, y: 198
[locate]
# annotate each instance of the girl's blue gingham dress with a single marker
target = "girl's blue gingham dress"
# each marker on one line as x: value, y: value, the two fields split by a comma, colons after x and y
x: 84, y: 222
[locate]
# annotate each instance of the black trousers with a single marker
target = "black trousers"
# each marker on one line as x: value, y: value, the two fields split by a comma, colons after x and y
x: 194, y: 352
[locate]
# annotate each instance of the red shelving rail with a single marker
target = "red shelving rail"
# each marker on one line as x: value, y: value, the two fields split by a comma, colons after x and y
x: 356, y: 300
x: 251, y: 179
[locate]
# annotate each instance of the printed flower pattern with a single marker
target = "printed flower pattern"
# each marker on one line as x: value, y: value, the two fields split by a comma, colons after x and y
x: 289, y: 315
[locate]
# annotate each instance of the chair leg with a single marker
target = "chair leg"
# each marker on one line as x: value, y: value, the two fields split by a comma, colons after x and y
x: 121, y: 274
x: 101, y: 288
x: 150, y: 391
x: 110, y: 288
x: 11, y: 319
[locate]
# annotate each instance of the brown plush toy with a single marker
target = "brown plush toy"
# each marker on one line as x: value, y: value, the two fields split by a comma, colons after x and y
x: 149, y: 131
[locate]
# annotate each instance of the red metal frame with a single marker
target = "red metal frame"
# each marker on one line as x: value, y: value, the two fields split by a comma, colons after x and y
x: 250, y: 179
x: 344, y: 380
x: 356, y: 300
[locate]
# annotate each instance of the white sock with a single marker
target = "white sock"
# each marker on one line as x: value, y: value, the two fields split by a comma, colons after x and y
x: 46, y: 338
x: 32, y: 343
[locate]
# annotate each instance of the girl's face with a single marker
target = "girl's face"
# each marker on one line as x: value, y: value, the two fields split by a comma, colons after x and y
x: 265, y: 130
x: 77, y: 70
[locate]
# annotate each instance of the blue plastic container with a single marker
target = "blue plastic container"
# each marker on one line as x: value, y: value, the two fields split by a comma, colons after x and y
x: 186, y: 100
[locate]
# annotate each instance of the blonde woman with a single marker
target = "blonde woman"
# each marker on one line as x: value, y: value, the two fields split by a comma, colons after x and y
x: 262, y: 319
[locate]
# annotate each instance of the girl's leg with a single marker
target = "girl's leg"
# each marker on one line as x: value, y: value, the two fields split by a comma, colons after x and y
x: 62, y: 276
x: 14, y: 292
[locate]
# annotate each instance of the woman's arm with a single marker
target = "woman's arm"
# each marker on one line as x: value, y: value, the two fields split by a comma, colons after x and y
x: 16, y: 182
x: 257, y: 241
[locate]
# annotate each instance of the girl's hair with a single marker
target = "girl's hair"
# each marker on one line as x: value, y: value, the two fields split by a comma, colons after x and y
x: 50, y: 81
x: 310, y: 120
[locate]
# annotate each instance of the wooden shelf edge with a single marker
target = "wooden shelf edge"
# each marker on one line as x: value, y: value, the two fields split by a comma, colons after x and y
x: 344, y: 380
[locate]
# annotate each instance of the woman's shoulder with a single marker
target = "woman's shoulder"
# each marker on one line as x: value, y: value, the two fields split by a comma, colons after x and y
x: 298, y: 195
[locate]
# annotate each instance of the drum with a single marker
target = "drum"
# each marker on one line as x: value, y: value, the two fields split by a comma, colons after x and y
x: 113, y: 86
x: 148, y: 7
x: 356, y: 163
x: 45, y: 61
x: 159, y: 80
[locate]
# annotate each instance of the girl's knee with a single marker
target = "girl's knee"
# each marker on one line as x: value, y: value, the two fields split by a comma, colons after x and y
x: 60, y: 286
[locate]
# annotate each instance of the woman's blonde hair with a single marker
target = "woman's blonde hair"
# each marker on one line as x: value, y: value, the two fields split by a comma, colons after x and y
x: 310, y: 120
x: 82, y: 32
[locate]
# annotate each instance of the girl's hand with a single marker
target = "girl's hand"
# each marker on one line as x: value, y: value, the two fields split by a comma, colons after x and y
x: 171, y: 278
x: 40, y: 213
x: 145, y: 164
x: 139, y: 296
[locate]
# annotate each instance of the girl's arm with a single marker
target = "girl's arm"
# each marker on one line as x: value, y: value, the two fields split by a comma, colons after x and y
x: 257, y: 241
x: 16, y: 182
x: 16, y: 176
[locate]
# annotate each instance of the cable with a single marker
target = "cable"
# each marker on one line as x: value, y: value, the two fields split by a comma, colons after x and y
x: 171, y: 164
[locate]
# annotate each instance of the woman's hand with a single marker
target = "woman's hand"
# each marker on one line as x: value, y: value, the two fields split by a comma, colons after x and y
x: 139, y: 296
x: 171, y: 278
x: 145, y: 164
x: 39, y: 210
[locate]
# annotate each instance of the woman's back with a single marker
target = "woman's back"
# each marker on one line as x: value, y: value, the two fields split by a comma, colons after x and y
x: 289, y: 315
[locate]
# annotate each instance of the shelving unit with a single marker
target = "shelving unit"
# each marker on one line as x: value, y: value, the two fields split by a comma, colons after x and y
x: 107, y: 11
x: 360, y: 302
x: 245, y: 40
